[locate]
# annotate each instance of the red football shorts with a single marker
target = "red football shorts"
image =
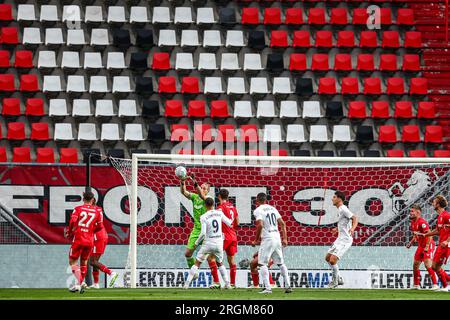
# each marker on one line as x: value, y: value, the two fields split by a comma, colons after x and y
x: 230, y: 247
x: 421, y: 255
x: 441, y: 255
x: 79, y: 250
x: 99, y: 247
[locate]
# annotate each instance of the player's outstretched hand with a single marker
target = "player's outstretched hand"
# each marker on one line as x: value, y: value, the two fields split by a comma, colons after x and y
x: 284, y: 243
x: 192, y: 176
x: 408, y: 245
x: 256, y: 243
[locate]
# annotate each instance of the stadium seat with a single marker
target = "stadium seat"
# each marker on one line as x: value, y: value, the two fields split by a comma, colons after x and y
x: 3, y: 157
x: 349, y: 85
x: 278, y: 152
x: 371, y: 153
x: 327, y: 86
x: 357, y: 110
x: 16, y: 131
x: 10, y: 36
x: 190, y: 85
x: 334, y: 110
x: 365, y: 62
x: 144, y: 86
x: 21, y: 155
x: 213, y: 85
x: 380, y: 110
x: 318, y: 134
x: 226, y: 133
x: 156, y: 132
x: 395, y: 153
x: 364, y: 134
x: 324, y: 39
x: 127, y: 108
x: 236, y: 85
x: 11, y: 107
x: 346, y: 39
x: 403, y: 110
x: 360, y: 16
x: 418, y: 86
x: 205, y: 16
x: 278, y: 39
x: 293, y: 16
x: 4, y: 59
x: 109, y: 132
x: 339, y: 16
x: 196, y: 109
x: 24, y: 59
x: 289, y: 109
x: 275, y: 63
x: 368, y: 39
x: 297, y: 62
x: 302, y: 39
x: 250, y: 16
x: 189, y: 39
x: 99, y: 37
x: 34, y: 107
x: 173, y: 109
x: 302, y: 153
x: 229, y: 62
x: 134, y: 133
x: 6, y: 12
x: 348, y: 153
x: 179, y: 132
x: 144, y: 38
x: 139, y: 15
x: 385, y: 16
x: 413, y: 39
x: 272, y: 16
x: 342, y: 134
x: 161, y: 15
x: 395, y: 86
x: 161, y: 61
x: 115, y: 61
x: 183, y: 15
x: 167, y: 85
x: 150, y: 109
x: 219, y: 109
x: 104, y: 108
x: 227, y: 17
x: 281, y: 86
x: 234, y: 39
x: 265, y: 109
x: 343, y: 62
x: 87, y: 132
x: 70, y: 60
x: 387, y: 134
x: 426, y: 110
x: 63, y: 132
x: 167, y: 38
x: 259, y: 86
x: 316, y: 16
x: 54, y: 37
x: 295, y: 133
x: 441, y: 153
x: 410, y: 134
x: 388, y: 62
x: 75, y: 38
x: 45, y: 155
x: 272, y: 133
x: 248, y: 133
x: 390, y: 39
x: 120, y: 84
x: 411, y: 62
x: 7, y: 82
x: 207, y: 62
x: 405, y: 16
x: 372, y: 86
x: 29, y: 83
x: 311, y: 110
x: 417, y: 154
x: 93, y: 15
x: 433, y: 134
x: 319, y: 62
x: 243, y: 110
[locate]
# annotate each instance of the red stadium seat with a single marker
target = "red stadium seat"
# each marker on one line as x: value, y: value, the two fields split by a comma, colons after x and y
x: 395, y: 153
x: 418, y: 86
x: 9, y: 35
x: 3, y: 157
x: 316, y: 16
x: 11, y: 107
x: 301, y: 39
x: 4, y: 59
x: 380, y: 110
x: 16, y: 131
x: 426, y: 110
x: 39, y: 131
x: 219, y: 109
x: 167, y: 85
x: 390, y: 39
x: 343, y: 62
x: 327, y: 86
x: 29, y: 82
x: 294, y: 16
x: 45, y: 155
x: 250, y: 16
x: 385, y: 16
x: 339, y: 16
x: 6, y: 12
x: 413, y: 39
x: 24, y: 59
x: 365, y: 62
x: 203, y: 133
x: 372, y: 86
x: 417, y: 154
x: 174, y: 109
x: 161, y: 61
x: 388, y: 62
x: 349, y: 85
x: 180, y: 132
x: 197, y: 109
x: 411, y: 62
x: 226, y: 133
x: 34, y: 107
x: 279, y: 153
x: 403, y: 109
x: 324, y: 38
x: 387, y: 134
x: 248, y: 133
x: 68, y: 155
x: 360, y: 16
x: 433, y: 134
x: 410, y: 134
x: 395, y: 86
x: 7, y: 82
x: 279, y: 39
x: 368, y: 39
x: 22, y: 154
x: 357, y: 110
x: 441, y: 153
x: 405, y: 16
x: 297, y: 62
x: 320, y: 62
x: 190, y: 85
x: 346, y: 39
x: 272, y: 16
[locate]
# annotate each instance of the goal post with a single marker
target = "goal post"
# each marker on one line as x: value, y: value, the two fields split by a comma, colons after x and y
x: 300, y: 187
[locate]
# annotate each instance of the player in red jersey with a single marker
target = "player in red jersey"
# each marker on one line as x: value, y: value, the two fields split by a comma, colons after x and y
x: 443, y: 230
x: 100, y: 242
x: 425, y: 248
x: 83, y: 224
x: 255, y: 274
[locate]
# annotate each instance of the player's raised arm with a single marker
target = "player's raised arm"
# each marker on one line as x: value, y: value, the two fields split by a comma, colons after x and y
x: 183, y: 190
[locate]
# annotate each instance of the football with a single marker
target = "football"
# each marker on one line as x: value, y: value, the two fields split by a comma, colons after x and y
x: 181, y: 172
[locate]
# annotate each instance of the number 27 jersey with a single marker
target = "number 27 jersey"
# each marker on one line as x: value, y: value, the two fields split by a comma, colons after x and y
x: 269, y: 216
x: 85, y: 219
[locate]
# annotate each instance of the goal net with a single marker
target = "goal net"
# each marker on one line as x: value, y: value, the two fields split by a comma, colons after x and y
x: 379, y: 191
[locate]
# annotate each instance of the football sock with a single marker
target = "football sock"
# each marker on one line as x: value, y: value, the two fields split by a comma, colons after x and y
x: 233, y: 274
x: 335, y: 269
x: 442, y: 276
x: 95, y: 275
x: 265, y: 277
x: 416, y: 277
x: 214, y: 273
x: 104, y: 269
x: 191, y: 275
x: 255, y: 278
x: 83, y: 270
x: 432, y: 275
x: 76, y: 272
x: 190, y: 261
x: 285, y: 275
x: 270, y: 277
x: 223, y: 273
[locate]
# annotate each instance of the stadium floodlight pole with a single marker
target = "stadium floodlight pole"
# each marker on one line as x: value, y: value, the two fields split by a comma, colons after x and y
x: 133, y: 219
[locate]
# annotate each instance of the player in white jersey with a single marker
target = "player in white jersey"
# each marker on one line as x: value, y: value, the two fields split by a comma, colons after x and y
x: 346, y: 227
x: 271, y: 246
x: 212, y: 236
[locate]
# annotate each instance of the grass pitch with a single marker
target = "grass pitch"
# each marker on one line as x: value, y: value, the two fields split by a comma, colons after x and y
x: 208, y: 294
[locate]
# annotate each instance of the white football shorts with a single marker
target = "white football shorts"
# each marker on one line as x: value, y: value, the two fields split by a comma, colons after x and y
x: 215, y: 249
x: 340, y: 247
x: 270, y: 248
